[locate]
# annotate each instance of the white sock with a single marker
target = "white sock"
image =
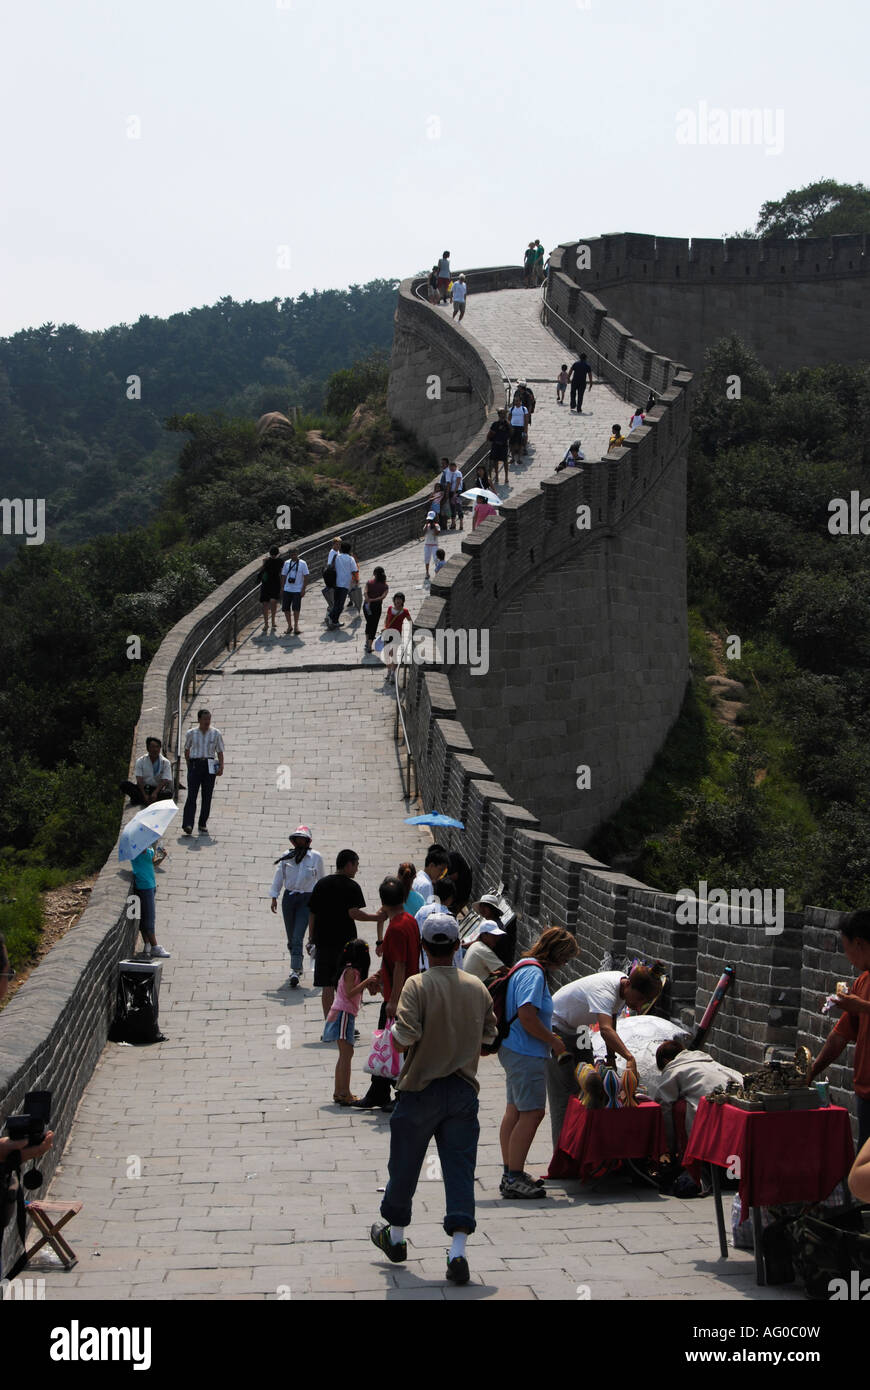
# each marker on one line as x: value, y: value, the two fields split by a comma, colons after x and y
x: 458, y: 1244
x: 397, y: 1234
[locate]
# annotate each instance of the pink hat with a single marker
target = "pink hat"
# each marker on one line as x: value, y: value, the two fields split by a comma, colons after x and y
x: 301, y: 830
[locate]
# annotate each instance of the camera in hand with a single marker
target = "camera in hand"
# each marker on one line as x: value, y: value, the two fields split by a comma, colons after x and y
x: 31, y: 1125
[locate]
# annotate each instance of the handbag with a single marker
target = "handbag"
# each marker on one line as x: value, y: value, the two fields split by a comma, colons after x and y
x: 329, y: 576
x: 827, y: 1250
x: 384, y: 1059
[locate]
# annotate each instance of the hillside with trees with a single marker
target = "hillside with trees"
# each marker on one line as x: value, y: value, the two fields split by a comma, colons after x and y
x: 82, y: 415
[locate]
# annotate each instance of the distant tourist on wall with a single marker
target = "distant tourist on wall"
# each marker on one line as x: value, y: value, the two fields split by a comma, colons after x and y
x: 335, y: 905
x: 529, y: 265
x: 440, y: 560
x: 481, y: 477
x: 145, y: 889
x: 296, y: 875
x: 482, y: 510
x: 561, y: 384
x: 328, y: 590
x: 437, y: 500
x: 519, y: 423
x: 376, y: 591
x: 153, y: 774
x: 204, y: 754
x: 499, y: 437
x: 451, y: 481
x: 650, y: 402
x: 345, y: 565
x: 270, y: 587
x: 397, y: 616
x: 573, y: 458
x: 636, y: 419
x: 527, y: 396
x: 854, y: 1026
x: 355, y: 593
x: 431, y: 532
x: 538, y: 265
x: 580, y: 376
x: 433, y: 286
x: 460, y: 295
x: 443, y: 276
x: 617, y: 439
x: 294, y: 574
x: 406, y: 874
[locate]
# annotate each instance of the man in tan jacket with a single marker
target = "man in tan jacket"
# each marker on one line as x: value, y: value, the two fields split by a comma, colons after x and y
x: 444, y: 1017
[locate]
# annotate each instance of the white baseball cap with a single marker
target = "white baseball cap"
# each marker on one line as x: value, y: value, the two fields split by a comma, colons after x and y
x: 440, y: 928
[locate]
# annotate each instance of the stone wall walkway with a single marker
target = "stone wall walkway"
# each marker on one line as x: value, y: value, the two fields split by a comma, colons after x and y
x: 215, y: 1164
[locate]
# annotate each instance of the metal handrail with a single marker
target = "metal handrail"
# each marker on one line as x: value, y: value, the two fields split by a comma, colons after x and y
x: 547, y: 309
x: 400, y: 713
x: 231, y: 613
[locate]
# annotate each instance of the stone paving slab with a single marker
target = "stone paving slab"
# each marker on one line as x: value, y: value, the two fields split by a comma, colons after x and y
x: 250, y: 1179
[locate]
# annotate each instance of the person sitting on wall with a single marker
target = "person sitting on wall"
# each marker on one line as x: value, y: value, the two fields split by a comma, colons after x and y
x: 689, y: 1076
x: 153, y: 776
x: 573, y: 458
x: 617, y: 439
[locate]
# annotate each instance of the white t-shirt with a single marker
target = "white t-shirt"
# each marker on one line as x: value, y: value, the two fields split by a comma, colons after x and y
x: 294, y: 573
x: 145, y: 768
x: 519, y: 415
x: 344, y: 568
x: 452, y: 480
x: 460, y: 290
x: 423, y: 885
x: 481, y: 960
x: 583, y: 1000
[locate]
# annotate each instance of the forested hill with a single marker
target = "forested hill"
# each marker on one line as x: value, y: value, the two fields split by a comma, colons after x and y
x: 73, y: 431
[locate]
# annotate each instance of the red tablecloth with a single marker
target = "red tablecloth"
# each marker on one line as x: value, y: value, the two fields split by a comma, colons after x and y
x: 785, y: 1155
x: 591, y: 1138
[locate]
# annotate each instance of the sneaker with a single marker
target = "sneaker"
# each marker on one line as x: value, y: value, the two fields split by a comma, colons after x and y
x: 380, y: 1236
x: 293, y: 980
x: 159, y: 952
x: 536, y: 1182
x: 521, y: 1189
x: 457, y: 1270
x: 187, y: 830
x: 202, y: 829
x: 146, y: 951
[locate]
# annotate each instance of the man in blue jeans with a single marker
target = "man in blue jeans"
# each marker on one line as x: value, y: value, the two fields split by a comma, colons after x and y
x: 444, y: 1017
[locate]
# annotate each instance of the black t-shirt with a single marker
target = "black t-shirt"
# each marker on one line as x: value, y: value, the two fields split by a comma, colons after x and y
x: 272, y: 566
x: 579, y: 372
x: 329, y: 902
x: 500, y: 432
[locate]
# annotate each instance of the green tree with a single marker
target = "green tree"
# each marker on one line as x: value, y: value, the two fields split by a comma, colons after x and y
x: 823, y: 208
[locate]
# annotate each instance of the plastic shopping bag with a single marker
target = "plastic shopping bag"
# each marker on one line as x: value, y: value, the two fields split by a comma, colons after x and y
x: 384, y: 1060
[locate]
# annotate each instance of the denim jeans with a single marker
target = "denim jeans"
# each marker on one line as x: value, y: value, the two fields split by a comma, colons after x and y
x: 198, y: 779
x: 294, y: 909
x: 445, y: 1110
x: 146, y: 910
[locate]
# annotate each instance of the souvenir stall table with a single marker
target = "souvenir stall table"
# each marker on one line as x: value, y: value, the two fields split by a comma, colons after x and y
x: 784, y: 1156
x: 592, y: 1140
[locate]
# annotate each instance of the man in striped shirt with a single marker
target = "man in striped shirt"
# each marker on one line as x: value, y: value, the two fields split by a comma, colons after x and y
x: 204, y: 754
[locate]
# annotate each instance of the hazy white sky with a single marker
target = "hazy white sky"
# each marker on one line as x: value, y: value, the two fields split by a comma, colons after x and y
x: 365, y: 138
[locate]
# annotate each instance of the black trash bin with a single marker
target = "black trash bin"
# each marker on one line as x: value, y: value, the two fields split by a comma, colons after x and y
x: 136, y: 1015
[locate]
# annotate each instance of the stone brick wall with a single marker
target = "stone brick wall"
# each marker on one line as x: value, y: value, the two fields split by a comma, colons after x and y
x: 795, y: 303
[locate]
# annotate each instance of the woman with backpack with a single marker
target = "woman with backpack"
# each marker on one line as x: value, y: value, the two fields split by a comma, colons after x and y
x: 524, y: 1054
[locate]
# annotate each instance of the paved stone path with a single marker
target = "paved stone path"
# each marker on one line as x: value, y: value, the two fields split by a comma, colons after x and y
x: 215, y: 1164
